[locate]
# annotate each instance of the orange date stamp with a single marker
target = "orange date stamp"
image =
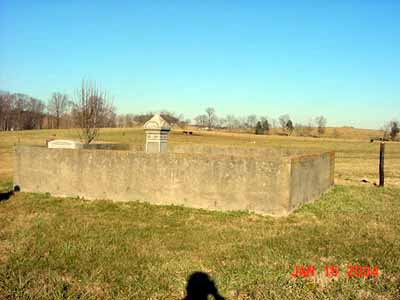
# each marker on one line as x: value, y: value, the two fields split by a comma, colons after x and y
x: 357, y: 271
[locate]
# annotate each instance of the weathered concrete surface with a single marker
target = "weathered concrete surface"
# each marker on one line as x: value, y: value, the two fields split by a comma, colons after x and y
x: 209, y: 181
x: 310, y: 176
x: 263, y: 153
x: 110, y: 146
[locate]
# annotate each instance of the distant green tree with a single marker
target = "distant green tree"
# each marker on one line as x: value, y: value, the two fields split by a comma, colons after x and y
x: 394, y: 130
x: 289, y: 126
x: 259, y: 128
x: 265, y: 126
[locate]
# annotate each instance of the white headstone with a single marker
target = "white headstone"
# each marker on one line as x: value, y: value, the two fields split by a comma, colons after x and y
x: 157, y: 130
x: 64, y: 144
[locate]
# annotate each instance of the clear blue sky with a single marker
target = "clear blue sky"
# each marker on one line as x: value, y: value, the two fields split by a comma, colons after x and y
x: 305, y: 58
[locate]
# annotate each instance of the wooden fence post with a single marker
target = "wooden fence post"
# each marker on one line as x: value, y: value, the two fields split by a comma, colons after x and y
x: 382, y: 165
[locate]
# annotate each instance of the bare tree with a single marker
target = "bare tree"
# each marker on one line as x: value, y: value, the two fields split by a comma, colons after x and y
x: 303, y: 130
x: 335, y: 133
x: 231, y: 121
x: 221, y: 123
x: 274, y: 123
x: 308, y: 129
x: 36, y: 114
x: 251, y: 121
x: 211, y: 117
x: 92, y: 109
x: 299, y: 129
x: 201, y: 120
x: 321, y: 124
x: 57, y: 106
x: 5, y: 111
x: 283, y: 121
x: 242, y: 122
x: 173, y: 118
x: 21, y: 112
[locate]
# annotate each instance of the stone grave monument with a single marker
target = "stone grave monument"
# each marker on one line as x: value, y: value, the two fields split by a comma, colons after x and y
x: 64, y: 144
x: 157, y: 130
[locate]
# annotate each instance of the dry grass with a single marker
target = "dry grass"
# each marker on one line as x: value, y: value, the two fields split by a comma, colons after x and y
x: 52, y: 248
x: 74, y: 249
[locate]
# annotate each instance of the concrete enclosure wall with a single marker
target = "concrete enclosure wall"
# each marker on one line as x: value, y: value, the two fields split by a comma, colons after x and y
x: 263, y: 153
x: 310, y: 175
x: 203, y: 180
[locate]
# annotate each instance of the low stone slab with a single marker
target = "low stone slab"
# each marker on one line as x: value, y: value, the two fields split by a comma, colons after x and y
x: 64, y: 144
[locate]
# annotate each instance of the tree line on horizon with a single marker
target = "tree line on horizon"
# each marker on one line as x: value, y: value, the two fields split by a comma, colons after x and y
x: 260, y: 125
x: 23, y: 112
x: 92, y: 109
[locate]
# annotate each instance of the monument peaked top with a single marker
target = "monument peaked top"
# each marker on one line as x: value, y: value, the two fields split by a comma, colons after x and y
x: 157, y: 122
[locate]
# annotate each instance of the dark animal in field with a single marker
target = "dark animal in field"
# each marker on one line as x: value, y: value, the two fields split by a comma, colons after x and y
x: 379, y: 139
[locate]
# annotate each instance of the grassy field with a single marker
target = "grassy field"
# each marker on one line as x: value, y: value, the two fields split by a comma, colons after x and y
x: 53, y: 248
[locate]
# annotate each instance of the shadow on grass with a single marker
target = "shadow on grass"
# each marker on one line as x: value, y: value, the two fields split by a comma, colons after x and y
x: 199, y: 286
x: 7, y: 195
